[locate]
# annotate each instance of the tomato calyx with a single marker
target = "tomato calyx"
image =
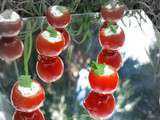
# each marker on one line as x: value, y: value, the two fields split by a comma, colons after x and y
x: 25, y: 81
x: 97, y: 68
x: 52, y: 31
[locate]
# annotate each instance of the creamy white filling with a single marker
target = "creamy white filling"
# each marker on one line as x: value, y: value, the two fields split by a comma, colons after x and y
x: 109, y: 32
x: 25, y: 91
x: 55, y: 11
x: 9, y: 16
x: 109, y: 6
x: 48, y: 37
x: 108, y: 71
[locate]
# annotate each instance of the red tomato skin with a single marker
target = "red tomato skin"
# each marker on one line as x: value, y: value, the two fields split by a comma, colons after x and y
x: 10, y: 29
x: 46, y: 48
x: 66, y: 36
x: 11, y: 48
x: 35, y: 115
x: 60, y: 21
x: 112, y: 14
x: 104, y: 83
x: 50, y: 69
x: 111, y: 42
x: 27, y: 104
x: 99, y: 105
x: 110, y: 57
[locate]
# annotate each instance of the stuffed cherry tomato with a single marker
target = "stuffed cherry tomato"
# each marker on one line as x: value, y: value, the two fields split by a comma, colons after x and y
x: 66, y: 37
x: 110, y: 57
x: 11, y: 48
x: 103, y: 78
x: 58, y: 16
x: 27, y: 99
x: 49, y: 69
x: 111, y: 36
x: 10, y: 23
x: 35, y: 115
x: 99, y: 105
x: 50, y: 43
x: 112, y: 11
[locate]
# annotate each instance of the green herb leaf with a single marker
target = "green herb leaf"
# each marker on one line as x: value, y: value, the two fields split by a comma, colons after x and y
x: 97, y: 68
x: 52, y: 31
x: 61, y: 8
x: 112, y: 27
x: 25, y: 81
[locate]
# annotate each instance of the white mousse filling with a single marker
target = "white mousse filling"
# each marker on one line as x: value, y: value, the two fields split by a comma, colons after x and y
x: 9, y: 16
x: 56, y: 12
x: 109, y: 6
x: 48, y: 37
x: 109, y: 32
x: 108, y: 71
x: 27, y: 92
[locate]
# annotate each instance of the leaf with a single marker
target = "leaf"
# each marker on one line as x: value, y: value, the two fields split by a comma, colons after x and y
x: 52, y: 31
x: 112, y: 27
x: 61, y: 9
x: 97, y: 68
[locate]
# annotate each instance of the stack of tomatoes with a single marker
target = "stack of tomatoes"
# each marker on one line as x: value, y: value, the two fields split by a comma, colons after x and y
x: 51, y: 42
x: 103, y: 76
x: 11, y: 47
x: 26, y: 100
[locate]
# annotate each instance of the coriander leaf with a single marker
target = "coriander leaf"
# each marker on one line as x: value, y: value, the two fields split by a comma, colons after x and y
x: 52, y: 31
x: 112, y: 27
x: 61, y: 8
x: 97, y: 68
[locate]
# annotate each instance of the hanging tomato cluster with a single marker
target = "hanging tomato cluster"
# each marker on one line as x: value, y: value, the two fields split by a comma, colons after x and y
x: 103, y: 76
x: 11, y: 47
x: 27, y: 95
x: 51, y: 42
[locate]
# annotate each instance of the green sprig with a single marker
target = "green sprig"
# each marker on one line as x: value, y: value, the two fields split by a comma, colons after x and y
x: 61, y: 8
x: 113, y: 27
x: 97, y: 68
x: 25, y: 81
x: 52, y: 31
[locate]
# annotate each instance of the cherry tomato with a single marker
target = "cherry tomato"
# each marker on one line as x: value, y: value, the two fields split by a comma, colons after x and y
x: 111, y: 41
x: 11, y: 48
x: 49, y: 46
x: 111, y: 12
x: 35, y: 115
x: 110, y: 57
x: 99, y: 105
x: 58, y: 16
x: 49, y: 69
x: 27, y: 99
x: 66, y: 37
x: 10, y: 23
x: 105, y: 83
